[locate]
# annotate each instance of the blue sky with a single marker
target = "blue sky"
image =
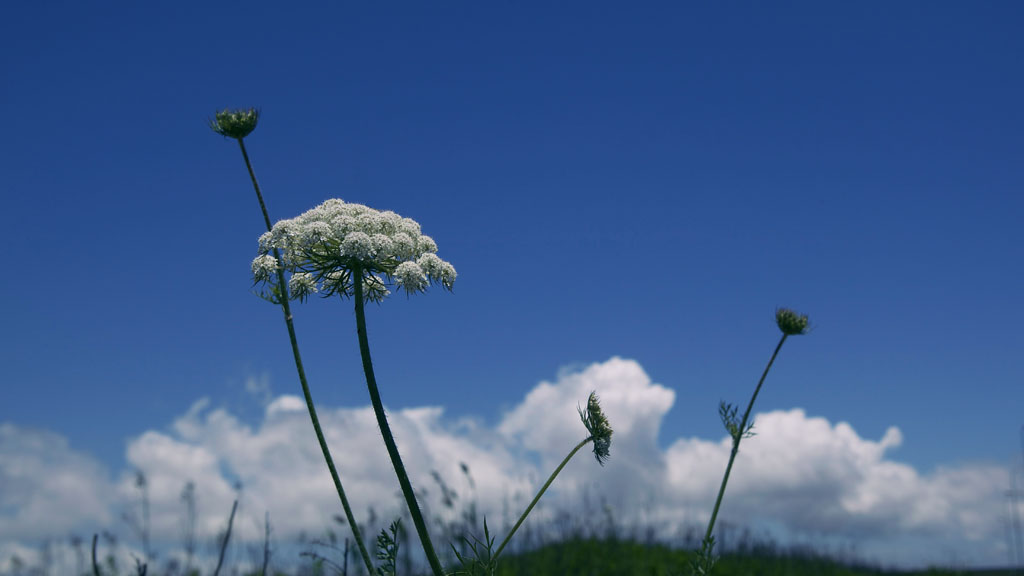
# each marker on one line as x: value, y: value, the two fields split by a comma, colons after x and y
x: 645, y: 183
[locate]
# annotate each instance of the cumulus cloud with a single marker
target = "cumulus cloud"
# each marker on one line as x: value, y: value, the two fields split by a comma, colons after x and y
x: 815, y: 478
x: 280, y: 468
x: 46, y: 487
x: 800, y: 475
x: 47, y: 490
x: 547, y: 422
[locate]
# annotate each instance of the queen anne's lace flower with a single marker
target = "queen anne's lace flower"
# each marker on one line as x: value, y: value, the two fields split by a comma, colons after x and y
x: 431, y: 264
x: 264, y: 267
x: 316, y: 231
x: 410, y: 275
x: 326, y: 247
x: 448, y: 275
x: 357, y: 245
x: 301, y: 285
x: 426, y: 244
x: 374, y: 288
x: 403, y: 246
x: 381, y: 244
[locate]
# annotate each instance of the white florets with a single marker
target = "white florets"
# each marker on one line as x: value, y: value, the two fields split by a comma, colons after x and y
x: 374, y: 288
x: 403, y: 246
x: 264, y: 267
x: 322, y: 247
x: 410, y: 276
x: 357, y: 246
x: 426, y: 244
x: 301, y: 285
x: 431, y: 264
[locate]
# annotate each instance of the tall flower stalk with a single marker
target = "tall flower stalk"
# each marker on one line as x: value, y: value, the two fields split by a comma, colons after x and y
x: 790, y: 323
x: 351, y: 250
x: 239, y: 124
x: 600, y: 434
x: 385, y: 430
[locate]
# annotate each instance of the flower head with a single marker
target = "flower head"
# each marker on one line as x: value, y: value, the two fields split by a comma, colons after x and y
x: 235, y: 124
x: 598, y: 426
x: 790, y: 322
x: 337, y: 243
x: 301, y: 285
x: 263, y: 267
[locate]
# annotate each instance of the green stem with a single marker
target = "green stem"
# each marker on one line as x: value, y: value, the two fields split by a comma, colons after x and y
x: 283, y: 295
x: 736, y: 444
x: 385, y: 429
x: 539, y: 494
x: 255, y: 184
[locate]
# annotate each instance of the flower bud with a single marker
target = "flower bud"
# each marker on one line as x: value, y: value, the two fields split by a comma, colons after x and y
x: 599, y: 428
x: 237, y: 124
x: 790, y: 322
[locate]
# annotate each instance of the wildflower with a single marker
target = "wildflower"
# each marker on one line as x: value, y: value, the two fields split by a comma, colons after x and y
x: 328, y: 246
x: 301, y: 286
x: 374, y: 288
x: 437, y: 268
x: 357, y: 246
x: 235, y: 124
x: 264, y: 267
x: 410, y: 275
x: 790, y: 322
x: 598, y: 426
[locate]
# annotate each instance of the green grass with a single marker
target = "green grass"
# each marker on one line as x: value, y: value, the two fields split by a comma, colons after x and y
x: 600, y: 557
x: 567, y: 555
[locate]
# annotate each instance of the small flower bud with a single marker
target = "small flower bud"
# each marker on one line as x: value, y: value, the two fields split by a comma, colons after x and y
x: 237, y: 124
x: 598, y: 426
x: 790, y: 322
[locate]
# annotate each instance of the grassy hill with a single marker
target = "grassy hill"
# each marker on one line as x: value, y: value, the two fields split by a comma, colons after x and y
x: 593, y: 557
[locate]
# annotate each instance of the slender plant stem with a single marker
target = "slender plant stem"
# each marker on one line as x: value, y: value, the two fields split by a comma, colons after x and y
x: 255, y: 184
x: 385, y: 429
x: 539, y: 494
x: 227, y: 537
x: 283, y: 296
x: 736, y: 441
x: 266, y: 543
x: 95, y: 565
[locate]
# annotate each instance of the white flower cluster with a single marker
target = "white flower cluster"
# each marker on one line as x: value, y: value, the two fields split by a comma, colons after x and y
x: 324, y: 246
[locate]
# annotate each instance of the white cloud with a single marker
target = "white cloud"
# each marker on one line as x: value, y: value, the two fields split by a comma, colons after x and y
x: 285, y: 404
x: 46, y: 487
x: 548, y: 423
x: 816, y: 478
x: 281, y: 468
x: 47, y: 491
x: 800, y: 475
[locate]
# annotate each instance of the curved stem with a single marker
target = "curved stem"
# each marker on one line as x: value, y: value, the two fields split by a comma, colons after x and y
x: 302, y: 378
x: 736, y: 446
x: 539, y: 494
x: 385, y: 429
